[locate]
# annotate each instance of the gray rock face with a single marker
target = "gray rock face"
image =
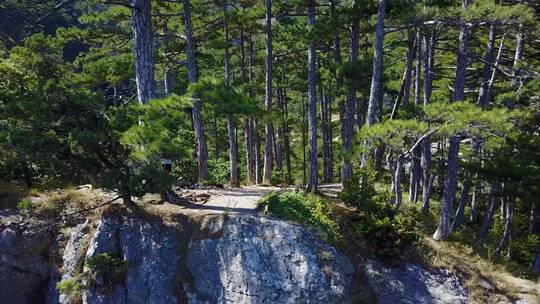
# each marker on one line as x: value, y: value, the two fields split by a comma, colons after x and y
x: 207, y: 259
x: 258, y: 260
x: 24, y: 265
x: 411, y: 283
x: 153, y: 254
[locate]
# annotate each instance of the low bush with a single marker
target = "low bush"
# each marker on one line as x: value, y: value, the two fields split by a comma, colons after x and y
x: 113, y: 270
x: 218, y: 171
x: 186, y: 171
x: 390, y: 233
x: 309, y: 210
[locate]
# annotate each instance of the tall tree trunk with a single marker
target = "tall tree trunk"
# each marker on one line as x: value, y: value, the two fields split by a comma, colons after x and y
x: 258, y: 157
x: 517, y: 55
x: 326, y: 129
x: 347, y: 109
x: 464, y: 197
x: 493, y: 201
x: 304, y: 143
x: 418, y: 70
x: 193, y: 77
x: 375, y: 93
x: 462, y: 60
x: 286, y: 141
x: 250, y: 152
x: 415, y: 173
x: 233, y: 149
x: 269, y: 128
x: 507, y: 233
x: 534, y: 218
x: 404, y: 90
x: 486, y: 72
x: 488, y: 94
x: 249, y: 138
x: 278, y: 139
x: 474, y: 202
x: 141, y: 22
x: 397, y: 180
x: 444, y: 228
x: 429, y: 62
x: 425, y: 163
x: 312, y: 105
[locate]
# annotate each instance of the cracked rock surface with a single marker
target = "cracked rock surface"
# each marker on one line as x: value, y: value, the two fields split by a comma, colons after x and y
x: 259, y: 260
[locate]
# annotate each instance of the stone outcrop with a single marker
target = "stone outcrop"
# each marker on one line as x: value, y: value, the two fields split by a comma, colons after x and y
x: 24, y: 262
x: 207, y: 259
x: 258, y: 260
x: 411, y: 283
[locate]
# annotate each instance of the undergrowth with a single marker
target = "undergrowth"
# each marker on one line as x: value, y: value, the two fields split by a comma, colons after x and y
x: 306, y: 209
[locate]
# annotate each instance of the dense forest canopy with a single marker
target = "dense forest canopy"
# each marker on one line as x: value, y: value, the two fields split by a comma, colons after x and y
x: 437, y: 100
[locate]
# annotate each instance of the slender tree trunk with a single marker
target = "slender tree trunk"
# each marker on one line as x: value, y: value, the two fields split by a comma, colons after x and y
x: 233, y: 149
x: 537, y: 262
x: 488, y: 94
x: 193, y: 77
x: 418, y: 70
x: 444, y: 228
x: 474, y: 202
x: 141, y: 22
x: 278, y: 139
x: 534, y: 219
x: 464, y: 197
x: 507, y: 233
x: 415, y: 174
x: 312, y: 105
x: 486, y: 72
x: 286, y: 141
x: 347, y: 109
x: 462, y: 60
x: 397, y: 180
x: 377, y: 65
x: 517, y: 55
x: 269, y: 128
x: 249, y: 138
x: 304, y: 143
x: 493, y: 201
x: 392, y: 169
x: 250, y: 151
x: 429, y: 61
x: 328, y: 170
x: 404, y: 90
x: 258, y: 157
x: 233, y: 163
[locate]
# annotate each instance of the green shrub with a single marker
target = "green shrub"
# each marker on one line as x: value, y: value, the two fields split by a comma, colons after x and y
x: 72, y: 288
x: 278, y: 177
x: 112, y: 269
x: 360, y: 191
x: 391, y: 234
x: 25, y: 205
x: 186, y: 171
x: 218, y: 171
x: 309, y: 210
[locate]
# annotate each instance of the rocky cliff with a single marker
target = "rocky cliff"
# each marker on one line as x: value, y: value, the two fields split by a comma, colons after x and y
x: 129, y: 257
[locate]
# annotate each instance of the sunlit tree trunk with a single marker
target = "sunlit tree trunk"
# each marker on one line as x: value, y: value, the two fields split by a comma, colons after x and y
x: 141, y: 21
x: 269, y: 128
x: 429, y: 62
x: 375, y: 93
x: 488, y: 219
x: 444, y: 228
x: 193, y: 77
x: 462, y: 60
x: 486, y: 72
x: 312, y: 105
x: 404, y: 90
x: 347, y: 108
x: 418, y: 69
x: 506, y: 237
